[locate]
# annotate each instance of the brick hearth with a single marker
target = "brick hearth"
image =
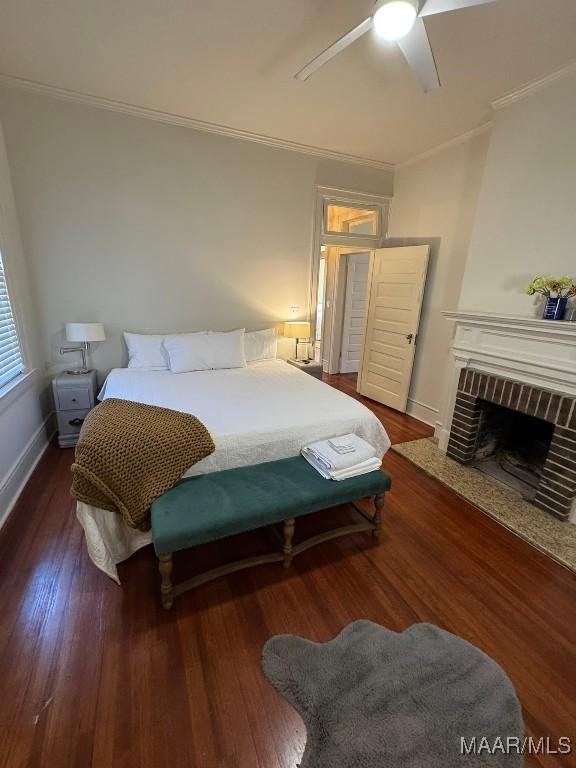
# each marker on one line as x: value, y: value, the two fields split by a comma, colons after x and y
x: 557, y: 489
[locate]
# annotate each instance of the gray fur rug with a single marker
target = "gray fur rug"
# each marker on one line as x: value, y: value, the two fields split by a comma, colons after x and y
x: 373, y: 698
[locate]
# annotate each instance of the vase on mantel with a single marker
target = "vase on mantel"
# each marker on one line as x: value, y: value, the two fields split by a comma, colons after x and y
x: 555, y: 308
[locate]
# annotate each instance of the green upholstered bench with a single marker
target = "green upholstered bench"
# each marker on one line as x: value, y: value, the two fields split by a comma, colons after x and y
x: 209, y: 507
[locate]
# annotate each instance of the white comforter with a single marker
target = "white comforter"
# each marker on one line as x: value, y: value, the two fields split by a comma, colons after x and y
x: 266, y: 411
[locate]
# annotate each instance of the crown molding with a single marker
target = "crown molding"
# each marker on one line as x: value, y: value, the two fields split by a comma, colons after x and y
x: 497, y: 104
x: 134, y: 110
x: 531, y: 87
x: 462, y: 139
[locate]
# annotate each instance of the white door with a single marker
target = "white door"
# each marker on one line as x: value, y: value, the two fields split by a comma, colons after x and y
x: 354, y: 311
x: 396, y: 286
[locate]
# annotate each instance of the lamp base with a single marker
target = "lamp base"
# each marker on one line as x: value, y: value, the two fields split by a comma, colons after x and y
x: 78, y: 371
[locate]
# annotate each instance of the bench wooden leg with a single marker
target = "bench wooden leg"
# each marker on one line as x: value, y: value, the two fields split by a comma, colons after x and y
x: 288, y: 530
x: 166, y: 587
x: 378, y: 504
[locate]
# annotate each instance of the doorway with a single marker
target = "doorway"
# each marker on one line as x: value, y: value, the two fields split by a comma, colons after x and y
x: 341, y: 308
x: 320, y: 300
x: 348, y: 226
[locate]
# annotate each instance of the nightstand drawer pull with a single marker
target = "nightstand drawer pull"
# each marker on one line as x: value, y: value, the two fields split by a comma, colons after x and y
x: 71, y: 399
x: 70, y: 422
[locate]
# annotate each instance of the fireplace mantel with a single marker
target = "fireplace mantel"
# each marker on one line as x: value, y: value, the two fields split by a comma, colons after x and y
x: 515, y: 323
x: 537, y: 352
x: 534, y: 351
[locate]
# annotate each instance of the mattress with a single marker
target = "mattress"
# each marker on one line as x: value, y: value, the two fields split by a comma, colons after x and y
x: 266, y: 411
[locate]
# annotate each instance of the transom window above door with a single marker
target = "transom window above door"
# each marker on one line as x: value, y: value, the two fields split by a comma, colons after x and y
x: 354, y: 221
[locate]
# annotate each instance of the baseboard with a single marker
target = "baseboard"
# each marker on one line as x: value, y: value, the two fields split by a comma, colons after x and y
x: 442, y: 436
x: 13, y: 484
x: 348, y: 368
x: 422, y: 412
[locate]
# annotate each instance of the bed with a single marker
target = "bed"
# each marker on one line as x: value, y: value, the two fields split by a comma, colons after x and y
x: 266, y: 411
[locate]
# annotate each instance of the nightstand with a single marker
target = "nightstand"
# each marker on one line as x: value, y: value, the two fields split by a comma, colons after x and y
x: 311, y: 367
x: 74, y: 396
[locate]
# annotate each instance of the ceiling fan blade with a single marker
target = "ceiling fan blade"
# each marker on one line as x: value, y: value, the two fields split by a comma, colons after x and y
x: 431, y: 7
x: 417, y: 51
x: 334, y: 49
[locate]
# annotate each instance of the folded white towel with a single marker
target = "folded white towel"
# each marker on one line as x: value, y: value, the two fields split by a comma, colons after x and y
x: 314, y: 463
x: 360, y: 469
x: 341, y: 445
x: 331, y: 460
x: 343, y: 441
x: 370, y: 465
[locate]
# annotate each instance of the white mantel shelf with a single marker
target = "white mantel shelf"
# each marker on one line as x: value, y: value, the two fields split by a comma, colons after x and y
x: 527, y: 349
x: 561, y: 329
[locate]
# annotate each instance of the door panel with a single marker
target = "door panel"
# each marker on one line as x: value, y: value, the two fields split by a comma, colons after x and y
x: 395, y: 290
x: 354, y: 311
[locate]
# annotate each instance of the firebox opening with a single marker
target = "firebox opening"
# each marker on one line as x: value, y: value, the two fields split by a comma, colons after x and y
x: 512, y: 447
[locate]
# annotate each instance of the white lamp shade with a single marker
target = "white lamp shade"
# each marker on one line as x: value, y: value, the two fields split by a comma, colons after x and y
x: 297, y: 330
x: 85, y: 332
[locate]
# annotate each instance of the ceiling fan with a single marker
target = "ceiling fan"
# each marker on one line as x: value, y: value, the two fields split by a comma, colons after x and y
x: 400, y: 21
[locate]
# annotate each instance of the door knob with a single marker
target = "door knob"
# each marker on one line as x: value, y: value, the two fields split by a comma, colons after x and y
x: 410, y: 336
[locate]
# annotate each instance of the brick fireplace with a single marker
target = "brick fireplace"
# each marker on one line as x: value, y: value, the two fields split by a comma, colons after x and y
x: 483, y: 399
x: 514, y: 380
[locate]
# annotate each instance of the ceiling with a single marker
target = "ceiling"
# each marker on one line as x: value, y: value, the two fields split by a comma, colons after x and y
x: 232, y: 63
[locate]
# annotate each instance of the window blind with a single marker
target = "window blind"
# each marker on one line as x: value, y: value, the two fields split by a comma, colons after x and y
x: 10, y: 353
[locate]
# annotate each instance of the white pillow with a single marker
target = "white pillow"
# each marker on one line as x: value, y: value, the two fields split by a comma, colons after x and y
x: 205, y: 351
x: 145, y: 351
x: 261, y: 345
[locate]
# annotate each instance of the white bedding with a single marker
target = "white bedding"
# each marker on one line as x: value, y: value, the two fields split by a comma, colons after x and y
x: 266, y: 411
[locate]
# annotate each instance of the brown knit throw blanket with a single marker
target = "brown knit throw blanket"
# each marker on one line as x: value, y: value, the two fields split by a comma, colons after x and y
x: 129, y: 453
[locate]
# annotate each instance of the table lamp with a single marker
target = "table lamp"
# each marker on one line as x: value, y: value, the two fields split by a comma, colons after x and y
x: 83, y: 333
x: 297, y: 330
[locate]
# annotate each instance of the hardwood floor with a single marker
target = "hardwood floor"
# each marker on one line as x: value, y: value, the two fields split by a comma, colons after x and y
x: 98, y: 676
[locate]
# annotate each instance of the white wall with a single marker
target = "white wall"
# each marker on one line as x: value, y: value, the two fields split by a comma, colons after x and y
x: 151, y: 227
x: 25, y: 423
x: 526, y: 221
x: 435, y: 202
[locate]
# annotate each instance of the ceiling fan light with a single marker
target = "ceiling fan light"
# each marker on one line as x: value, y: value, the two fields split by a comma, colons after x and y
x: 394, y: 19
